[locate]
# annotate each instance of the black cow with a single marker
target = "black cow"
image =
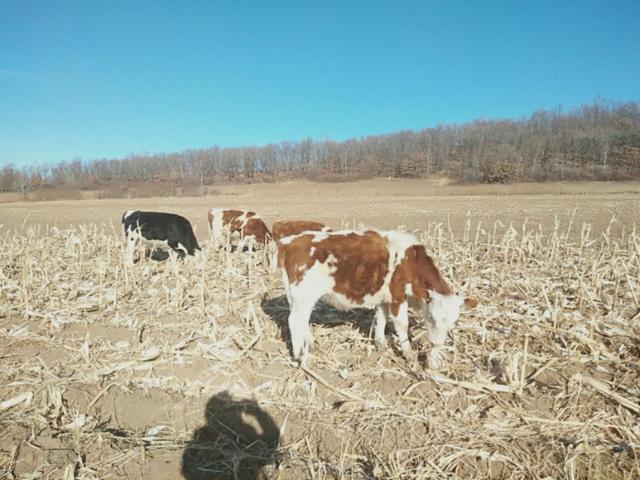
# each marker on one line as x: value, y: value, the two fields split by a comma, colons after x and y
x: 153, y: 228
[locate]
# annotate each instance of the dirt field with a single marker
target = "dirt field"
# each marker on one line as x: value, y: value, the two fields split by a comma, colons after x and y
x: 182, y: 369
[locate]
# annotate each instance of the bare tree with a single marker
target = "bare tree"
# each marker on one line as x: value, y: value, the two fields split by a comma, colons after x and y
x: 598, y: 140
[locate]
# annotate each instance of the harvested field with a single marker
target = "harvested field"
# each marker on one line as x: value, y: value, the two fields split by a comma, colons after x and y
x: 380, y: 202
x: 182, y: 369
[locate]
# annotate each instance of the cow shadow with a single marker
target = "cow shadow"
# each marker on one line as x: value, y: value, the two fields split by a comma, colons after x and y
x: 277, y: 309
x: 155, y: 254
x: 238, y: 441
x: 159, y: 255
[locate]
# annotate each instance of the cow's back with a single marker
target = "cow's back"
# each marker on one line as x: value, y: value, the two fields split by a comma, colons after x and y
x: 256, y: 228
x: 161, y: 226
x: 358, y: 262
x: 284, y: 228
x: 243, y: 222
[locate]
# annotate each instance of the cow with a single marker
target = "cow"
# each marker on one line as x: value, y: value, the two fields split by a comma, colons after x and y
x: 381, y: 270
x: 249, y: 226
x: 284, y: 228
x: 158, y: 228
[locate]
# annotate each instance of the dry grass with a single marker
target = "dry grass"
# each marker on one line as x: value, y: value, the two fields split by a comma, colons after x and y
x: 383, y: 203
x: 436, y: 185
x: 109, y: 372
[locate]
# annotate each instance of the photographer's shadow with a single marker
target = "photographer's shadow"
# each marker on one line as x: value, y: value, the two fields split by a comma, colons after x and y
x: 237, y: 442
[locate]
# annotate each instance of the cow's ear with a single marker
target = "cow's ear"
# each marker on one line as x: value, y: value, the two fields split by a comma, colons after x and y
x: 469, y: 303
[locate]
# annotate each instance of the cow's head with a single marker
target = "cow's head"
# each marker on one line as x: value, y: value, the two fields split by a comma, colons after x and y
x: 442, y: 312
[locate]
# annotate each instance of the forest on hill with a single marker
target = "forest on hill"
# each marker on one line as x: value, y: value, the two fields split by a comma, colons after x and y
x: 599, y: 141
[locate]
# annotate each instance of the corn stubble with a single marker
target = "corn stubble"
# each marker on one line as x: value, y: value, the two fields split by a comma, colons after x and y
x: 542, y: 380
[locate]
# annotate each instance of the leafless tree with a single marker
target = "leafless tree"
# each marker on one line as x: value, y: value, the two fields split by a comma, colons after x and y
x: 599, y: 140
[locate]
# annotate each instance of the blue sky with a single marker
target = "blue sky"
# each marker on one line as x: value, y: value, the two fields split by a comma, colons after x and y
x: 109, y: 78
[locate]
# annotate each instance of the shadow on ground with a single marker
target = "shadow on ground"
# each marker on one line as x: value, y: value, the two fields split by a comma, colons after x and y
x: 238, y: 441
x: 156, y: 254
x: 277, y: 309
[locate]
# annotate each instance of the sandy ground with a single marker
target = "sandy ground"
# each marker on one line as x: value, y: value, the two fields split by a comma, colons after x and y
x: 182, y: 369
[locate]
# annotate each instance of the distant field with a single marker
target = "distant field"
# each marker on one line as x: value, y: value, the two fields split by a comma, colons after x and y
x: 170, y: 370
x: 380, y: 203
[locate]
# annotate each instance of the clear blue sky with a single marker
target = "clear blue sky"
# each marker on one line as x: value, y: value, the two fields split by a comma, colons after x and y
x: 102, y: 79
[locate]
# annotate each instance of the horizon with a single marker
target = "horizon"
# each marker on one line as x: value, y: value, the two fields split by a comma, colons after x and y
x: 110, y: 81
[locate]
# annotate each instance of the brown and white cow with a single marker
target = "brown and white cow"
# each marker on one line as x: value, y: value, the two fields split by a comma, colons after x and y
x: 366, y: 269
x: 248, y: 225
x: 284, y: 228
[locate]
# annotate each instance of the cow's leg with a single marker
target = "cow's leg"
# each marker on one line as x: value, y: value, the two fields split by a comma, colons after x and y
x: 190, y: 244
x: 247, y: 244
x: 296, y: 321
x: 381, y: 322
x: 308, y: 337
x: 130, y: 248
x: 400, y: 317
x: 437, y: 335
x: 287, y: 289
x: 177, y: 247
x: 301, y: 338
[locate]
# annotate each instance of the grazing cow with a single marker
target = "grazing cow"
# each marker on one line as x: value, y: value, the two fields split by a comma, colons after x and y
x: 284, y: 228
x: 248, y: 225
x: 366, y: 269
x: 154, y: 228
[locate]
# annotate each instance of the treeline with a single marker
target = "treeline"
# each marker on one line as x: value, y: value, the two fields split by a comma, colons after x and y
x: 597, y: 141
